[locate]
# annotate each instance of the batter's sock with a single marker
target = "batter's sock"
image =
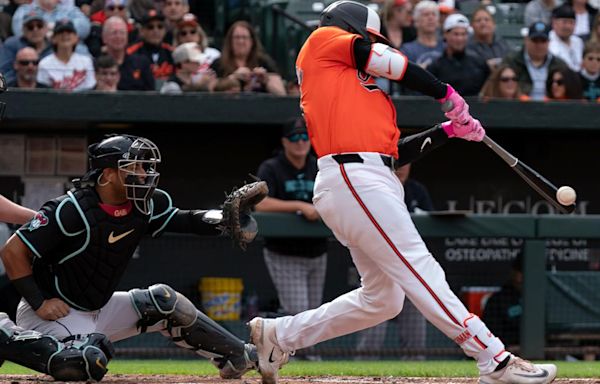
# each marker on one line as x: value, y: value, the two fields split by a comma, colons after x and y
x: 502, y: 364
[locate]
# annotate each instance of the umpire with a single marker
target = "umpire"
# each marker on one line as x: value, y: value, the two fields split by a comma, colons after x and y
x: 67, y: 261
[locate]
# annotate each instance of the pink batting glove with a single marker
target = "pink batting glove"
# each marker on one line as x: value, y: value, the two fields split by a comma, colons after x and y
x: 472, y: 131
x: 459, y: 112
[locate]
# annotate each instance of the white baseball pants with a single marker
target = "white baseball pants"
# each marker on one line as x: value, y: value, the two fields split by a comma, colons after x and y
x: 363, y: 204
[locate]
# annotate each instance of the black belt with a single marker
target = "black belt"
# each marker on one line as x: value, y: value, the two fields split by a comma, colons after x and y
x: 344, y: 158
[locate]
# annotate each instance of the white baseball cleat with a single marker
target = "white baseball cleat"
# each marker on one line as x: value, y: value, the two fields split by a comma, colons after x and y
x: 270, y: 357
x: 519, y: 371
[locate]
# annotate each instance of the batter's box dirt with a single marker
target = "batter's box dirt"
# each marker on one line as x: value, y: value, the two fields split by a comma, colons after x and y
x: 178, y: 379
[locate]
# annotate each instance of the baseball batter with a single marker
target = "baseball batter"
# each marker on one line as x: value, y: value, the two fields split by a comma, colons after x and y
x: 352, y: 126
x: 67, y: 261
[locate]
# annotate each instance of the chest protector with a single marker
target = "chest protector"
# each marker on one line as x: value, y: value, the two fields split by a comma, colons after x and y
x: 85, y: 272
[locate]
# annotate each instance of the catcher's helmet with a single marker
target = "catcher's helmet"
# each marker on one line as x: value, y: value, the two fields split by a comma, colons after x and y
x: 353, y: 17
x: 136, y: 157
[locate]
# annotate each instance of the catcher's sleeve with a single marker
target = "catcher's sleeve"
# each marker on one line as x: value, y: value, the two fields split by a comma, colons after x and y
x: 415, y: 146
x: 199, y: 222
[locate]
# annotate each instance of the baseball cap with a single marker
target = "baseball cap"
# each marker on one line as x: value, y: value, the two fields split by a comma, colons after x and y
x: 188, y: 52
x: 293, y: 127
x: 564, y: 11
x: 33, y: 15
x: 538, y: 30
x: 152, y: 15
x: 64, y: 25
x: 188, y: 20
x: 456, y: 20
x: 114, y: 3
x: 447, y: 6
x: 399, y: 3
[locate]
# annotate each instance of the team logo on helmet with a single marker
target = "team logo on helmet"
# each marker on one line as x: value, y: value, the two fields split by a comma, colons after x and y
x: 39, y: 220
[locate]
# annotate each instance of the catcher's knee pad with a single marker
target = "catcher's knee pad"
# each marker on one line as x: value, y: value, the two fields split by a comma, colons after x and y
x: 83, y: 358
x: 160, y: 302
x: 188, y: 327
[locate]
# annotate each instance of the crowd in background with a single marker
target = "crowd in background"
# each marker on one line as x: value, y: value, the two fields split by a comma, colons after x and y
x: 158, y: 45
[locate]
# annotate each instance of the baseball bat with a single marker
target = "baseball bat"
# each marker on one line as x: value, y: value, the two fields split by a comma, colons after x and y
x: 536, y: 181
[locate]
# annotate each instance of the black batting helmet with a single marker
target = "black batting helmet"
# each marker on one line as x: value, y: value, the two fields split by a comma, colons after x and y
x: 108, y: 152
x: 353, y: 17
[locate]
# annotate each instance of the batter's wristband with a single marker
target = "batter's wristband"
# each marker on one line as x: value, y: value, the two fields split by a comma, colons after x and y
x: 28, y: 288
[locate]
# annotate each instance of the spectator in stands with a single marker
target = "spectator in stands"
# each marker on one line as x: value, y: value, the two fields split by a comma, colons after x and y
x: 563, y: 84
x: 584, y: 17
x: 173, y: 11
x: 111, y: 8
x: 107, y: 74
x: 397, y: 26
x: 244, y: 60
x: 533, y: 62
x: 34, y: 35
x: 411, y: 324
x: 465, y: 71
x: 66, y: 69
x: 484, y: 42
x: 447, y: 7
x: 26, y: 69
x: 428, y: 45
x: 503, y: 310
x: 52, y: 11
x: 139, y: 8
x: 134, y: 69
x: 188, y: 76
x: 590, y: 71
x: 228, y: 85
x: 503, y: 83
x: 595, y: 33
x: 296, y: 265
x: 563, y: 43
x: 539, y: 10
x: 189, y: 31
x: 152, y: 46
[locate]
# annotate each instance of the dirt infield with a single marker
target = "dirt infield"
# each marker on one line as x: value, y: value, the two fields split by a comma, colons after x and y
x: 175, y: 379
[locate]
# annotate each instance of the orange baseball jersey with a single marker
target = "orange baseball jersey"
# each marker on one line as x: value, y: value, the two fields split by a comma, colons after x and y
x: 344, y: 109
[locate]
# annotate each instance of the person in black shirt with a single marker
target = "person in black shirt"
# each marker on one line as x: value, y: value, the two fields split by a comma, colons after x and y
x: 503, y: 309
x: 416, y: 195
x: 68, y: 259
x: 296, y: 265
x: 457, y: 66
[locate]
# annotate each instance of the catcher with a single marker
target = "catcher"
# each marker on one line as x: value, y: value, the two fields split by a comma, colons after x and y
x: 67, y: 261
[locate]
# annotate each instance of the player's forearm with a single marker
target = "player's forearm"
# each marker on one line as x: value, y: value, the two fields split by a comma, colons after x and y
x: 272, y: 204
x: 14, y: 213
x: 420, y: 80
x: 414, y: 147
x: 199, y: 222
x: 17, y: 262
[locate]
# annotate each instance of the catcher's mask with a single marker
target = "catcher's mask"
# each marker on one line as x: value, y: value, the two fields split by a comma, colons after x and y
x: 136, y: 157
x: 353, y: 17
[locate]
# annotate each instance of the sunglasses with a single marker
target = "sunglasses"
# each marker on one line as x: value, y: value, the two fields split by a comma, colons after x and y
x: 32, y: 26
x: 592, y: 58
x: 28, y: 62
x: 118, y: 8
x: 508, y: 78
x: 296, y: 137
x: 185, y: 33
x: 155, y: 26
x: 558, y: 82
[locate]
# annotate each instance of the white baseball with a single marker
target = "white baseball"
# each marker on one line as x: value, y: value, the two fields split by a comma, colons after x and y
x: 566, y: 195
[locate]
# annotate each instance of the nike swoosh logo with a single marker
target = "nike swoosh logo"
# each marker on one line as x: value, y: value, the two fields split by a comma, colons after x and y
x: 98, y: 363
x: 167, y: 294
x: 271, y: 356
x: 113, y: 239
x: 389, y: 70
x: 544, y: 373
x: 425, y: 142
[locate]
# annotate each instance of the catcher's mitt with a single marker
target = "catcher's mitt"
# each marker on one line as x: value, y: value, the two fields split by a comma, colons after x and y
x: 237, y: 221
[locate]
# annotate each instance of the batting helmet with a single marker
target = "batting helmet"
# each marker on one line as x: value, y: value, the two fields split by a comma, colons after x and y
x: 353, y: 17
x: 136, y: 157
